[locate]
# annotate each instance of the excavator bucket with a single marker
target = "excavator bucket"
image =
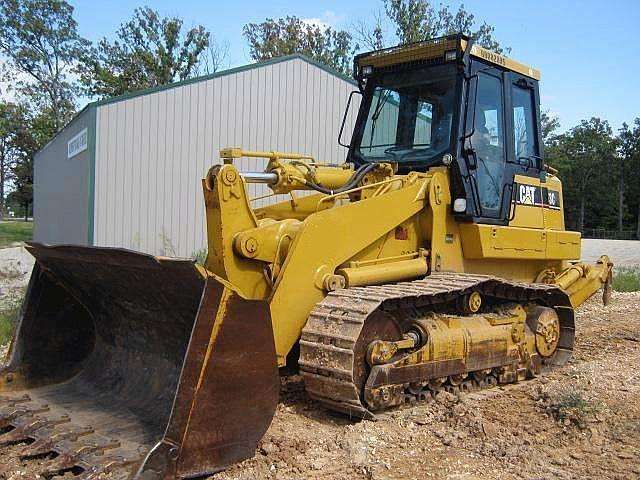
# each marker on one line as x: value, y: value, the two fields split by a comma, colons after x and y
x: 134, y: 366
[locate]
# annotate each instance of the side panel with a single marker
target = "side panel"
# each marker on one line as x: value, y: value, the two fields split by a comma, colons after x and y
x: 493, y: 241
x: 525, y: 211
x: 63, y: 186
x: 497, y: 242
x: 560, y: 243
x: 535, y: 231
x: 554, y: 217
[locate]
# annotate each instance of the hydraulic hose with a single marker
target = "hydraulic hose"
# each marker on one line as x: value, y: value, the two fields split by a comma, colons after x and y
x: 351, y: 183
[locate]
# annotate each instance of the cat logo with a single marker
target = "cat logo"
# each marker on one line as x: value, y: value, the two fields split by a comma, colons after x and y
x: 527, y: 195
x: 535, y: 196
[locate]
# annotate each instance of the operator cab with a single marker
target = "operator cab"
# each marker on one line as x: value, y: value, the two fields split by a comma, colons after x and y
x: 449, y: 102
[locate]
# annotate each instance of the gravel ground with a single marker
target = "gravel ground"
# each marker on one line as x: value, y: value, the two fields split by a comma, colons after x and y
x: 15, y: 265
x: 15, y: 268
x: 624, y: 253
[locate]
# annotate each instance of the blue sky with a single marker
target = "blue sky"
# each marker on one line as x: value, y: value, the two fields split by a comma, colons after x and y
x: 588, y: 51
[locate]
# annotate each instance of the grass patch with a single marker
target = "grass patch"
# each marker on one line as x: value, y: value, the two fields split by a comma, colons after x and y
x: 8, y: 316
x: 14, y: 231
x: 571, y: 407
x: 626, y: 279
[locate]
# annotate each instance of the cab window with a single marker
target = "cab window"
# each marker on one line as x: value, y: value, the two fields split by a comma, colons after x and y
x: 382, y: 122
x: 409, y: 116
x: 524, y: 130
x: 488, y: 143
x: 423, y: 119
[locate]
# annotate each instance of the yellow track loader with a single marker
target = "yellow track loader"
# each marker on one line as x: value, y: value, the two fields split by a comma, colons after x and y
x: 435, y: 258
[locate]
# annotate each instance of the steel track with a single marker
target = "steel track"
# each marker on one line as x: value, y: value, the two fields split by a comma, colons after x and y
x: 327, y: 357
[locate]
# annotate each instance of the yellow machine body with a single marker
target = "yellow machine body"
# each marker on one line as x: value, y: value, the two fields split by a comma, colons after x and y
x: 402, y: 229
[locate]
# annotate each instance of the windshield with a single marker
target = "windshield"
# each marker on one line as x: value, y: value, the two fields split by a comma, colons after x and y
x: 409, y: 115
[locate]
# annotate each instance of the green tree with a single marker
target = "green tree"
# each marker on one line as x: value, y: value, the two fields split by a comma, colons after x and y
x: 629, y: 196
x: 11, y: 121
x: 148, y: 51
x: 285, y: 36
x: 40, y: 42
x: 22, y: 193
x: 35, y: 129
x: 213, y: 58
x: 418, y: 20
x: 585, y: 157
x: 549, y: 124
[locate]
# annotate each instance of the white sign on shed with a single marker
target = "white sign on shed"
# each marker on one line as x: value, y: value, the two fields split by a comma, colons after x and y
x: 77, y: 144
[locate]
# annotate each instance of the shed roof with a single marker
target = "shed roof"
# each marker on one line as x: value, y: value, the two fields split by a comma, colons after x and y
x: 222, y: 73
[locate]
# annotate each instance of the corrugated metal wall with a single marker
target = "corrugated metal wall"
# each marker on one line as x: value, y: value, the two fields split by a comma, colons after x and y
x: 61, y: 187
x: 152, y: 150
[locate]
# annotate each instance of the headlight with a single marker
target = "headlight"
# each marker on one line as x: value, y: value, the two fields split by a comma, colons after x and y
x: 366, y: 70
x: 460, y: 205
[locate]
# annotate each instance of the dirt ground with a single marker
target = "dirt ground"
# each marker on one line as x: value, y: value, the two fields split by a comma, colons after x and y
x: 579, y: 421
x: 15, y: 267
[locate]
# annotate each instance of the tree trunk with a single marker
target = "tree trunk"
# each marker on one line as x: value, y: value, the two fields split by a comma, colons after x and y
x: 581, y: 217
x: 56, y: 110
x: 638, y: 225
x: 3, y: 179
x: 26, y: 211
x: 2, y: 182
x: 620, y: 199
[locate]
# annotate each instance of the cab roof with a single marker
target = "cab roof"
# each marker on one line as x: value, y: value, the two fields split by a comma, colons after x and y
x: 448, y: 48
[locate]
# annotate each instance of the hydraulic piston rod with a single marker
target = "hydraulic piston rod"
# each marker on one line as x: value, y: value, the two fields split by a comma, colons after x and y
x: 260, y: 177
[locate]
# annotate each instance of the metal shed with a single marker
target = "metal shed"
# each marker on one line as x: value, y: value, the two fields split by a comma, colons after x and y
x: 125, y: 172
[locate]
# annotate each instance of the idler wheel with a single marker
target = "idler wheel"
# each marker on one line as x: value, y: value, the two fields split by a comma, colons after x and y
x: 545, y: 325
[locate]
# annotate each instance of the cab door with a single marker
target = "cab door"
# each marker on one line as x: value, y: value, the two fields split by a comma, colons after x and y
x: 505, y: 169
x: 505, y: 149
x: 486, y: 145
x: 524, y: 156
